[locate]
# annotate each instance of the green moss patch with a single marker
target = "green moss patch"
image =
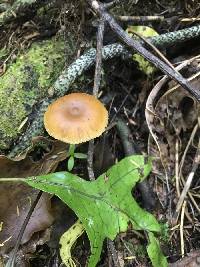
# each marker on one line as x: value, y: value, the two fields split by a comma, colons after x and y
x: 25, y: 83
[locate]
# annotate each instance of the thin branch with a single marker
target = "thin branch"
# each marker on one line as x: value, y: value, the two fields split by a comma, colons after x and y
x: 154, y: 48
x: 97, y: 79
x: 100, y: 10
x: 140, y: 18
x: 189, y: 181
x: 182, y: 228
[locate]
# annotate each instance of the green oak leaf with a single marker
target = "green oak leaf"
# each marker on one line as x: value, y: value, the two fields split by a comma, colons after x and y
x: 104, y: 206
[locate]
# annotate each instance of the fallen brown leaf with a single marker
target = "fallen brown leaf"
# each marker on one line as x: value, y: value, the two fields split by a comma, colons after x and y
x: 16, y: 199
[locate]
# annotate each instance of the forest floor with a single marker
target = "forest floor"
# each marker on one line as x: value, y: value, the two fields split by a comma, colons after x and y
x: 164, y: 125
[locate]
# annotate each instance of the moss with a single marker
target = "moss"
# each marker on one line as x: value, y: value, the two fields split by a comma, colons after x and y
x: 25, y: 83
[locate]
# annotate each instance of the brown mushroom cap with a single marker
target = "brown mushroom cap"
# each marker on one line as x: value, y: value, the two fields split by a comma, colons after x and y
x: 76, y: 118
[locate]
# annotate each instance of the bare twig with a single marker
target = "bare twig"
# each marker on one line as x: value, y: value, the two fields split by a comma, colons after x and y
x: 189, y: 181
x: 119, y: 108
x: 97, y: 79
x: 190, y: 19
x: 157, y: 51
x: 110, y: 244
x: 176, y: 167
x: 182, y: 229
x: 140, y: 18
x: 100, y: 10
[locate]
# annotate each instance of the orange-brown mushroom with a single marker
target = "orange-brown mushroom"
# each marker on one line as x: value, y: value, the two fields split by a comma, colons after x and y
x: 76, y: 118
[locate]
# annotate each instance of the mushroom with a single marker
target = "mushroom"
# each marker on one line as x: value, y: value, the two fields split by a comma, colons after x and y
x: 76, y: 118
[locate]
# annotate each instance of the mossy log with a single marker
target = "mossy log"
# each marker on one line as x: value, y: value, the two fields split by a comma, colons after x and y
x: 25, y: 83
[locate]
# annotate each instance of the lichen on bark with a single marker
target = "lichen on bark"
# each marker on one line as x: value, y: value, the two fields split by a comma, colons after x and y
x: 25, y: 83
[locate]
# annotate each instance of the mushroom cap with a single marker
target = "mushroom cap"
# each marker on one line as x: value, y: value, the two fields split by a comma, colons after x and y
x: 76, y: 118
